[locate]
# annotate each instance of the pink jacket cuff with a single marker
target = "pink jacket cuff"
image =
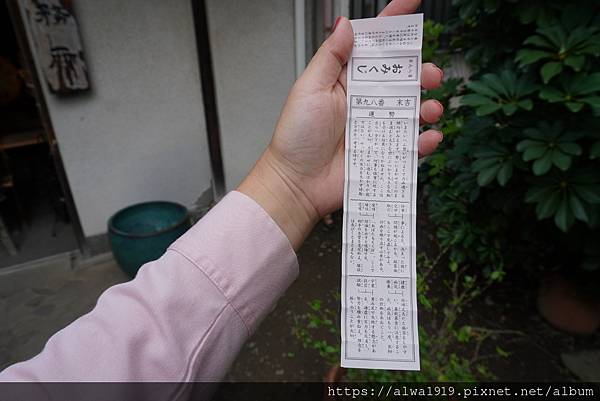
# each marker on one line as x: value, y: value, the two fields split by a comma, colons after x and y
x: 244, y: 253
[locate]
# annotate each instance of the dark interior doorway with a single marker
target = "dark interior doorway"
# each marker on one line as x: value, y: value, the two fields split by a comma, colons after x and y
x: 34, y: 211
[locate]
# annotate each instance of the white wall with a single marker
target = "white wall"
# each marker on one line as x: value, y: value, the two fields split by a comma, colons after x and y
x: 140, y: 134
x: 252, y: 44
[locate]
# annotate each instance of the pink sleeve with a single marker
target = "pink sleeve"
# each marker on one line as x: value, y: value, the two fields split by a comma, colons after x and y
x: 186, y: 315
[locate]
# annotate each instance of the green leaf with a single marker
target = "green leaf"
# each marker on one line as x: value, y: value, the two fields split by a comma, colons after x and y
x: 484, y: 163
x: 588, y: 193
x: 477, y: 86
x: 494, y: 82
x: 570, y: 148
x: 575, y: 62
x: 486, y: 176
x: 593, y: 101
x: 574, y: 106
x: 524, y: 86
x: 526, y: 104
x: 534, y: 152
x: 542, y: 165
x: 475, y: 99
x: 463, y: 334
x: 315, y: 304
x: 505, y: 173
x: 564, y: 218
x: 583, y: 84
x: 509, y: 82
x: 487, y: 109
x: 528, y: 143
x: 537, y: 40
x: 509, y: 109
x: 554, y: 34
x: 550, y: 69
x: 501, y: 352
x: 530, y: 56
x: 577, y: 208
x: 496, y: 275
x: 424, y: 301
x: 547, y: 206
x: 552, y: 95
x: 561, y: 160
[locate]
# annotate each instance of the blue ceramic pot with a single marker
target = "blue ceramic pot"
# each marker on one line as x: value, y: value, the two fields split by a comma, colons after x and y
x: 141, y: 233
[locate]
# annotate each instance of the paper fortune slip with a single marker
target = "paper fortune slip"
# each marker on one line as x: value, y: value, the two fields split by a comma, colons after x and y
x: 379, y: 301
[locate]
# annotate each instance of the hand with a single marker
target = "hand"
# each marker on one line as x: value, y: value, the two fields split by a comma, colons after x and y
x: 300, y: 176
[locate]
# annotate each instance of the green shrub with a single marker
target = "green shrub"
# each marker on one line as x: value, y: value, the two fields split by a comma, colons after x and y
x: 517, y: 179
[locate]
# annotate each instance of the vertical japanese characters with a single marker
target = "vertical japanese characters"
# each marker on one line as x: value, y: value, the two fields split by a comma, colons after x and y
x: 379, y: 307
x: 55, y: 35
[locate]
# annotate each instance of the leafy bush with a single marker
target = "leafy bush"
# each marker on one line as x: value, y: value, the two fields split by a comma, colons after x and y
x: 518, y: 172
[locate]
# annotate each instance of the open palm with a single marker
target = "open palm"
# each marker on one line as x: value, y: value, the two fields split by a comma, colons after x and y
x: 308, y: 145
x: 300, y: 176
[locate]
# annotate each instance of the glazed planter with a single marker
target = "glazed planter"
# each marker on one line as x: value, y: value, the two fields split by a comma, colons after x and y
x: 142, y: 233
x: 562, y: 305
x: 333, y: 376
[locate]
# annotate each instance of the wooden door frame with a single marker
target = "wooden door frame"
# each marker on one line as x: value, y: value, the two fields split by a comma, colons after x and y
x: 24, y: 46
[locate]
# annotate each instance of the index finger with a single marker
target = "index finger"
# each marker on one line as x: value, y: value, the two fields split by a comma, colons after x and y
x: 399, y: 7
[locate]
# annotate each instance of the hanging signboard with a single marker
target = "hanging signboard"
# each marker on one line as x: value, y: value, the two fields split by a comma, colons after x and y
x: 54, y: 32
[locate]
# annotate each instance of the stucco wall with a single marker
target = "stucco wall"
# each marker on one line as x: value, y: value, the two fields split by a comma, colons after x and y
x: 252, y: 45
x: 140, y: 134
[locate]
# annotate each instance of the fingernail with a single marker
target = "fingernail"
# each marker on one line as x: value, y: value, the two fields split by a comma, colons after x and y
x: 441, y: 106
x: 441, y: 73
x: 335, y: 24
x: 441, y: 136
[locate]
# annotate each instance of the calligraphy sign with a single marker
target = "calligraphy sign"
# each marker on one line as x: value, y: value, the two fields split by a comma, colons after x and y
x: 55, y: 37
x: 385, y: 69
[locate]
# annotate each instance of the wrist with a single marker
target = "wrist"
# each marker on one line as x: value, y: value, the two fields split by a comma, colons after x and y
x: 269, y: 186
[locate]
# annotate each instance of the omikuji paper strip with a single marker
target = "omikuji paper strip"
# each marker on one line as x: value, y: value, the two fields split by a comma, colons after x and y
x: 379, y: 301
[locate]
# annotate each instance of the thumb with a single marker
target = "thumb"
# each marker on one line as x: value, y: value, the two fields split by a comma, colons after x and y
x: 326, y: 66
